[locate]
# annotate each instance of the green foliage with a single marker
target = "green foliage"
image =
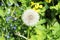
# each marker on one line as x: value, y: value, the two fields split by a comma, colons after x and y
x: 48, y: 27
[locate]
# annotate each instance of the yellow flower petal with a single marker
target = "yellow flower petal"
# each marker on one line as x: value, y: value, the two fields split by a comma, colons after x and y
x: 32, y: 3
x: 34, y: 8
x: 37, y: 6
x: 38, y: 10
x: 40, y: 6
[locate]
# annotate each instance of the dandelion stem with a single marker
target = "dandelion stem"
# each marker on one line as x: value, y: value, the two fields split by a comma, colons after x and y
x: 28, y: 33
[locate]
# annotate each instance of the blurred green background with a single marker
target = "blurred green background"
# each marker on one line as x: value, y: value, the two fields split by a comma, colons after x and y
x: 48, y: 27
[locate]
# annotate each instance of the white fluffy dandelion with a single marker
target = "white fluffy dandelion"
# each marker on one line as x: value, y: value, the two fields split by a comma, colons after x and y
x: 30, y: 17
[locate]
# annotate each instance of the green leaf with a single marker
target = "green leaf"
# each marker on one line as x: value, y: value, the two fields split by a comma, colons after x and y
x: 2, y: 38
x: 55, y: 27
x: 42, y: 21
x: 41, y: 27
x: 2, y: 13
x: 11, y: 1
x: 12, y: 39
x: 58, y: 39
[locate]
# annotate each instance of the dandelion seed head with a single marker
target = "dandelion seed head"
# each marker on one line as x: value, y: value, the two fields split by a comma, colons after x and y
x: 30, y: 17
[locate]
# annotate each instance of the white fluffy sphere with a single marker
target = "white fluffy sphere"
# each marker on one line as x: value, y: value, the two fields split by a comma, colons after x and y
x: 30, y: 17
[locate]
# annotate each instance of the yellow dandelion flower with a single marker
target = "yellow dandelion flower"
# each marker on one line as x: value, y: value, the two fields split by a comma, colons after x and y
x: 34, y: 8
x: 48, y: 1
x: 37, y: 6
x: 37, y: 10
x: 32, y: 3
x: 40, y: 6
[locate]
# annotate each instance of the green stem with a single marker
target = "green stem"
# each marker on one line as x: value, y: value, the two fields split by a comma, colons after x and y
x: 13, y: 11
x: 28, y: 32
x: 4, y: 3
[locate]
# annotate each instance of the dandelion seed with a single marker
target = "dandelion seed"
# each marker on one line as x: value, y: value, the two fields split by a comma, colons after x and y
x: 30, y: 17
